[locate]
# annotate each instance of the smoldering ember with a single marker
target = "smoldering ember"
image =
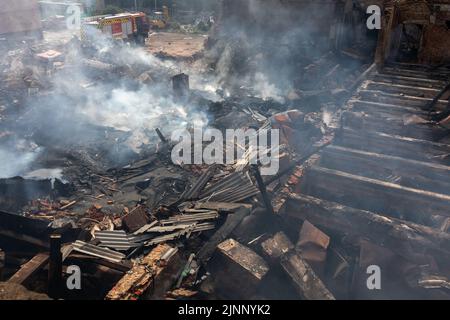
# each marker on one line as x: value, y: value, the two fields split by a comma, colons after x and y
x: 94, y: 207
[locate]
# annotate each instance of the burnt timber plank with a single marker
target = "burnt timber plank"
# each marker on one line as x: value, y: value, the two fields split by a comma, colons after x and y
x: 410, y: 173
x: 276, y: 246
x: 279, y: 249
x: 308, y: 284
x: 2, y: 263
x: 407, y: 80
x: 391, y: 125
x: 395, y: 145
x: 144, y: 276
x: 375, y: 195
x: 384, y: 108
x: 30, y: 268
x: 397, y: 99
x: 402, y: 89
x: 24, y: 229
x: 407, y: 239
x: 233, y: 265
x: 439, y: 74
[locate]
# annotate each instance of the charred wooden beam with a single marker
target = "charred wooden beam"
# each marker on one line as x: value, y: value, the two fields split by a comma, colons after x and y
x: 146, y: 276
x: 362, y: 77
x: 275, y: 247
x: 55, y: 267
x: 2, y: 263
x: 408, y: 80
x: 437, y: 97
x: 180, y: 85
x: 308, y: 284
x: 395, y: 145
x: 375, y: 195
x: 418, y: 73
x: 279, y: 249
x: 24, y: 229
x: 403, y: 89
x: 389, y: 98
x: 380, y: 108
x: 262, y: 189
x: 161, y: 136
x: 392, y: 125
x: 233, y: 265
x: 30, y: 268
x: 405, y: 238
x: 406, y: 172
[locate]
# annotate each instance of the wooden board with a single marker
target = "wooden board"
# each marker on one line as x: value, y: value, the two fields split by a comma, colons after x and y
x: 30, y: 268
x: 405, y: 238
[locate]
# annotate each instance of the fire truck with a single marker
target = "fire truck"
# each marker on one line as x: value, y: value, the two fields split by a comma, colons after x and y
x: 125, y: 26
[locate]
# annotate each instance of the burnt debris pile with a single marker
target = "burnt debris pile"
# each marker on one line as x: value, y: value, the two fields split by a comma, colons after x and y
x: 119, y: 180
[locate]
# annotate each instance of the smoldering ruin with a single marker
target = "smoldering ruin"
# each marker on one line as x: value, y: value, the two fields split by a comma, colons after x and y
x: 87, y: 178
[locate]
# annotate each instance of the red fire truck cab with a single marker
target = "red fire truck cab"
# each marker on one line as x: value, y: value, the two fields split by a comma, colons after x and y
x: 125, y: 26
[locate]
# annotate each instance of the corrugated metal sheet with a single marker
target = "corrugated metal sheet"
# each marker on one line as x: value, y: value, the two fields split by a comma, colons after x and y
x: 120, y: 240
x: 99, y: 252
x: 234, y: 188
x: 190, y: 218
x: 19, y: 16
x: 179, y: 234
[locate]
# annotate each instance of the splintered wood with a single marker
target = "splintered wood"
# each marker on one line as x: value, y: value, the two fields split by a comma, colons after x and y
x: 274, y: 248
x: 30, y: 268
x: 306, y: 281
x: 141, y: 276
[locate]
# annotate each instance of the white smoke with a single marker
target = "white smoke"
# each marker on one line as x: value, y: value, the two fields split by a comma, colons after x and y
x: 113, y: 102
x: 15, y: 162
x: 265, y: 89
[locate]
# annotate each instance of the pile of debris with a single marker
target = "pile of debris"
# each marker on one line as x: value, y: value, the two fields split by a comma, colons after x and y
x: 134, y: 224
x: 162, y: 226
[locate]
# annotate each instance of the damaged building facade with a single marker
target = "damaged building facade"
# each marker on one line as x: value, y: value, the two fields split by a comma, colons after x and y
x: 364, y: 172
x: 415, y: 32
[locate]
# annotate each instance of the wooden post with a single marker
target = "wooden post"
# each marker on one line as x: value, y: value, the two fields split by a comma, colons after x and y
x: 2, y: 263
x: 262, y: 188
x: 55, y: 267
x: 180, y: 84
